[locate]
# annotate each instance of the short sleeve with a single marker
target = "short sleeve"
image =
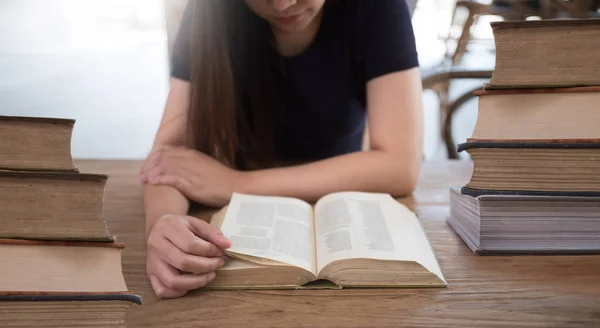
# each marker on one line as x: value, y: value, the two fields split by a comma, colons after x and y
x: 388, y: 38
x: 180, y: 54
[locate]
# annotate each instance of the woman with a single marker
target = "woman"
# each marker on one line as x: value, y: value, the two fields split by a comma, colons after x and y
x: 271, y: 97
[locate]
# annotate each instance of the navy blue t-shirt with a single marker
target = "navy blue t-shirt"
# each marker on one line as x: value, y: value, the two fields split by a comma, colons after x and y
x: 357, y: 41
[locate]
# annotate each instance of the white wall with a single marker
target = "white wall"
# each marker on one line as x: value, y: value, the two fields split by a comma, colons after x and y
x: 102, y: 62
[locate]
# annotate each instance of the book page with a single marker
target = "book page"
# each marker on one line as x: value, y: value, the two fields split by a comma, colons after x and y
x: 368, y: 225
x: 275, y: 228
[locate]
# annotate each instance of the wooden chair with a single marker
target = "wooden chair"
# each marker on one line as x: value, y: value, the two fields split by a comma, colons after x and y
x: 440, y: 78
x: 516, y: 10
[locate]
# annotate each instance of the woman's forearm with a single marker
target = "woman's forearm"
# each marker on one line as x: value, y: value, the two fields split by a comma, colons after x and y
x: 372, y: 171
x: 160, y: 200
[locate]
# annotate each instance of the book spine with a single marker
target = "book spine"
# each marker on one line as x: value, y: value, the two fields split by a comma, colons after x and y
x: 54, y: 175
x: 512, y: 24
x: 80, y: 297
x: 39, y: 170
x: 61, y: 238
x: 482, y: 192
x: 493, y: 85
x: 535, y: 144
x: 544, y: 252
x: 42, y: 120
x: 494, y: 90
x: 30, y: 242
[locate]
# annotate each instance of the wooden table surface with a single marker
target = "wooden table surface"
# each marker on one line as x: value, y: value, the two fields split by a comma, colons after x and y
x: 499, y: 291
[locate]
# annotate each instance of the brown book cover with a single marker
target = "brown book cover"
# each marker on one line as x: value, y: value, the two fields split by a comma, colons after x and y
x: 66, y: 206
x: 36, y: 143
x: 538, y: 114
x: 523, y: 48
x: 60, y: 312
x: 62, y: 270
x: 66, y: 296
x: 538, y: 167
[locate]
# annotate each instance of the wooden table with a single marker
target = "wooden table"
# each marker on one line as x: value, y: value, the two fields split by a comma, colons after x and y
x: 511, y: 291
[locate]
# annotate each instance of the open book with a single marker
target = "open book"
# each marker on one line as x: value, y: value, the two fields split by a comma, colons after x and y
x: 348, y: 239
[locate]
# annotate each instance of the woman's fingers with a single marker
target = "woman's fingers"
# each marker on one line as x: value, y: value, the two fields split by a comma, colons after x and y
x: 186, y: 238
x: 208, y: 233
x: 187, y: 262
x: 162, y: 291
x: 169, y: 283
x: 152, y: 165
x: 174, y: 280
x: 166, y: 166
x: 173, y: 267
x: 171, y: 180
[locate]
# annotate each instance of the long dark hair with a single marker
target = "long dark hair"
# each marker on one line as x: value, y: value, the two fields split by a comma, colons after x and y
x: 237, y: 84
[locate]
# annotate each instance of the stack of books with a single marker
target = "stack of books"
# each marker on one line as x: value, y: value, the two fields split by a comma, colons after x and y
x: 60, y: 265
x: 535, y: 185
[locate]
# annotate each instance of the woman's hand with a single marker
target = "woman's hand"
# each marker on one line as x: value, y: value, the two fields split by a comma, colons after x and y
x: 182, y: 254
x: 199, y: 177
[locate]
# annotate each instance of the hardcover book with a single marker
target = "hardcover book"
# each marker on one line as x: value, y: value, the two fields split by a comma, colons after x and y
x: 347, y: 239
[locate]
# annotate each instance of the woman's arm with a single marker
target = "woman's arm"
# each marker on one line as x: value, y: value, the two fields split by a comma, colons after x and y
x: 182, y: 251
x: 392, y: 165
x: 160, y: 200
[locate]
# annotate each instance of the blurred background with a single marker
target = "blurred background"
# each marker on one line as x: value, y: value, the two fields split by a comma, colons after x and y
x: 105, y: 63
